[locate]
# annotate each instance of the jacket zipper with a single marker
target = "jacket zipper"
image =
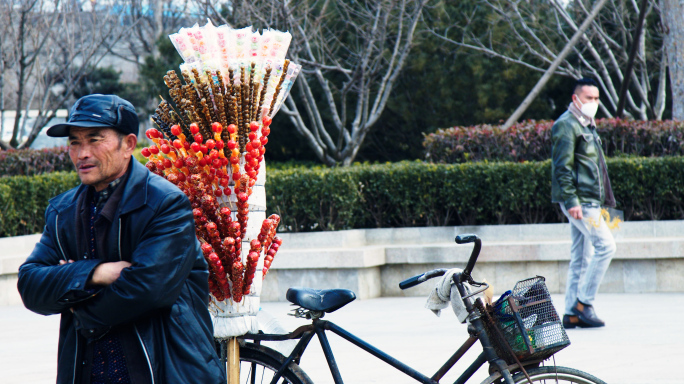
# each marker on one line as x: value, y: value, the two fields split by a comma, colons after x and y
x: 120, y: 258
x: 75, y: 358
x: 599, y: 150
x: 598, y: 173
x: 135, y: 327
x: 59, y: 243
x: 147, y: 356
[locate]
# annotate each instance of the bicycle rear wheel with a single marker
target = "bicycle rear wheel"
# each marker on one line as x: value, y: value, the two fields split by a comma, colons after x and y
x: 258, y: 364
x: 554, y: 375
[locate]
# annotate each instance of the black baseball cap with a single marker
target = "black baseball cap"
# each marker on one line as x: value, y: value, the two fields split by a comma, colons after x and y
x: 104, y: 111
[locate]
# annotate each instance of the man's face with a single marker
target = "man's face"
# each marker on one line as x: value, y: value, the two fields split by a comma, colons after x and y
x: 99, y: 156
x: 587, y: 94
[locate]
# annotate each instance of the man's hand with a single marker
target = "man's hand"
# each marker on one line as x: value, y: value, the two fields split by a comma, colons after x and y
x: 576, y: 212
x: 107, y: 273
x: 63, y: 262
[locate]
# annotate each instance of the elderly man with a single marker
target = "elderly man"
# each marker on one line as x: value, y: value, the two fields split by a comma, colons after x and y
x: 580, y: 185
x: 119, y: 260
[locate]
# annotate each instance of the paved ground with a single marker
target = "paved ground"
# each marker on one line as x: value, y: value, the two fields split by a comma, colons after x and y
x: 642, y: 343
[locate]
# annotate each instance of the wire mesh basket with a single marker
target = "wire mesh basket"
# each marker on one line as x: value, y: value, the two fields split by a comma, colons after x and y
x: 529, y: 322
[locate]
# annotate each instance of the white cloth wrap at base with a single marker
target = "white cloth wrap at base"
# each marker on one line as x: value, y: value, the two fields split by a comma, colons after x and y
x: 232, y: 319
x: 445, y: 291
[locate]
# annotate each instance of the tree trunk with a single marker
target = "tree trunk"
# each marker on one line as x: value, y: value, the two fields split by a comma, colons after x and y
x: 672, y: 12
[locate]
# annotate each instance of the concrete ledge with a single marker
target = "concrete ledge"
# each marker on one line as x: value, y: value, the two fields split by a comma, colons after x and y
x: 13, y: 252
x: 650, y: 257
x: 371, y: 262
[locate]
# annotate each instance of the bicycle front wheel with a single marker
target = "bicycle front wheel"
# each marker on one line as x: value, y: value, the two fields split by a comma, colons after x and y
x: 554, y: 375
x: 259, y: 364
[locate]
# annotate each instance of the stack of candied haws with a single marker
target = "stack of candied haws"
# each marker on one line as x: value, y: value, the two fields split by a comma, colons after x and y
x: 200, y: 170
x: 211, y: 143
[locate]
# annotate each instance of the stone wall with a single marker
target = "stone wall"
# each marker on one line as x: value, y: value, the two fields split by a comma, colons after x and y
x: 372, y: 262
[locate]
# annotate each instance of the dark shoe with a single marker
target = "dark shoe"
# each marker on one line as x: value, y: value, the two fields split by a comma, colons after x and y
x: 587, y: 315
x: 570, y: 321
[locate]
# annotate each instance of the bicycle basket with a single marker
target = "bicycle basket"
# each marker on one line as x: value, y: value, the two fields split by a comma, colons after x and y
x: 529, y: 322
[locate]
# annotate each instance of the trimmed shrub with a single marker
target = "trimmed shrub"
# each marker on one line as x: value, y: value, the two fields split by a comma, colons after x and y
x: 29, y: 162
x: 424, y: 194
x: 23, y: 200
x: 531, y: 141
x: 405, y: 194
x: 315, y: 200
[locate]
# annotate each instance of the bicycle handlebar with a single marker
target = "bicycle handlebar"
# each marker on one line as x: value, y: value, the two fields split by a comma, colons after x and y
x: 465, y: 275
x: 423, y: 277
x: 470, y: 238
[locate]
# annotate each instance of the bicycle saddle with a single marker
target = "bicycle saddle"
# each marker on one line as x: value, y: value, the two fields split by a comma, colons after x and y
x: 324, y: 300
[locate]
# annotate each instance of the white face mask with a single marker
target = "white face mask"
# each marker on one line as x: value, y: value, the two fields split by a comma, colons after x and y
x: 588, y: 109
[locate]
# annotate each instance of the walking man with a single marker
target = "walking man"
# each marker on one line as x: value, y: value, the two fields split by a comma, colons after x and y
x: 580, y: 185
x: 119, y: 260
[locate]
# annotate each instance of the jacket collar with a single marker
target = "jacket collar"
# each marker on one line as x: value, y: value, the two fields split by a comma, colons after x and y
x: 134, y: 195
x: 581, y: 117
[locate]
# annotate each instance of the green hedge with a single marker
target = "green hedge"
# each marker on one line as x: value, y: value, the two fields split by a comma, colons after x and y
x: 23, y: 200
x: 30, y: 162
x: 424, y: 194
x: 404, y: 194
x: 531, y: 141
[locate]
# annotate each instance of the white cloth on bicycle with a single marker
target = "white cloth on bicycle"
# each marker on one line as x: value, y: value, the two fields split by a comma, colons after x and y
x: 444, y: 292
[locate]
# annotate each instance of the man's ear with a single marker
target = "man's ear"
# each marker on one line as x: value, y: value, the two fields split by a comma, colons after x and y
x: 130, y: 141
x: 575, y: 99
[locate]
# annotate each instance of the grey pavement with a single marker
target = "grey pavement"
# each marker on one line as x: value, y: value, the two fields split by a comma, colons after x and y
x: 642, y: 342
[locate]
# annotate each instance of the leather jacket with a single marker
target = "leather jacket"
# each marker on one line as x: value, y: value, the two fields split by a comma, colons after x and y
x: 579, y: 172
x: 162, y: 297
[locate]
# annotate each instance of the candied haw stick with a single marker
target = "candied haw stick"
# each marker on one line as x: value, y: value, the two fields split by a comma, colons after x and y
x: 270, y: 254
x: 252, y: 260
x: 263, y: 233
x: 217, y: 272
x: 275, y: 220
x: 236, y: 278
x: 224, y: 221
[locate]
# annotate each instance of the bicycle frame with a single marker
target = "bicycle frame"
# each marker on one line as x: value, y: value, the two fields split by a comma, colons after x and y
x: 319, y: 327
x: 476, y: 330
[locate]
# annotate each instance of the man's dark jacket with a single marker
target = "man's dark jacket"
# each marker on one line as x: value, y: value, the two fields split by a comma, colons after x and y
x: 162, y: 298
x: 579, y: 171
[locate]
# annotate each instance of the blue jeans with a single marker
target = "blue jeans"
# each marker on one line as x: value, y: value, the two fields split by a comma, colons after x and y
x: 592, y: 249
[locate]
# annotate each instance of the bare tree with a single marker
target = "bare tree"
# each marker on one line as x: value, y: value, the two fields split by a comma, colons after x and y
x: 535, y: 33
x: 49, y: 46
x: 351, y: 54
x: 7, y: 61
x: 153, y: 19
x: 673, y: 24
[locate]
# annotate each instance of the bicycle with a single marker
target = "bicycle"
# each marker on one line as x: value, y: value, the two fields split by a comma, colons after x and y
x: 260, y: 364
